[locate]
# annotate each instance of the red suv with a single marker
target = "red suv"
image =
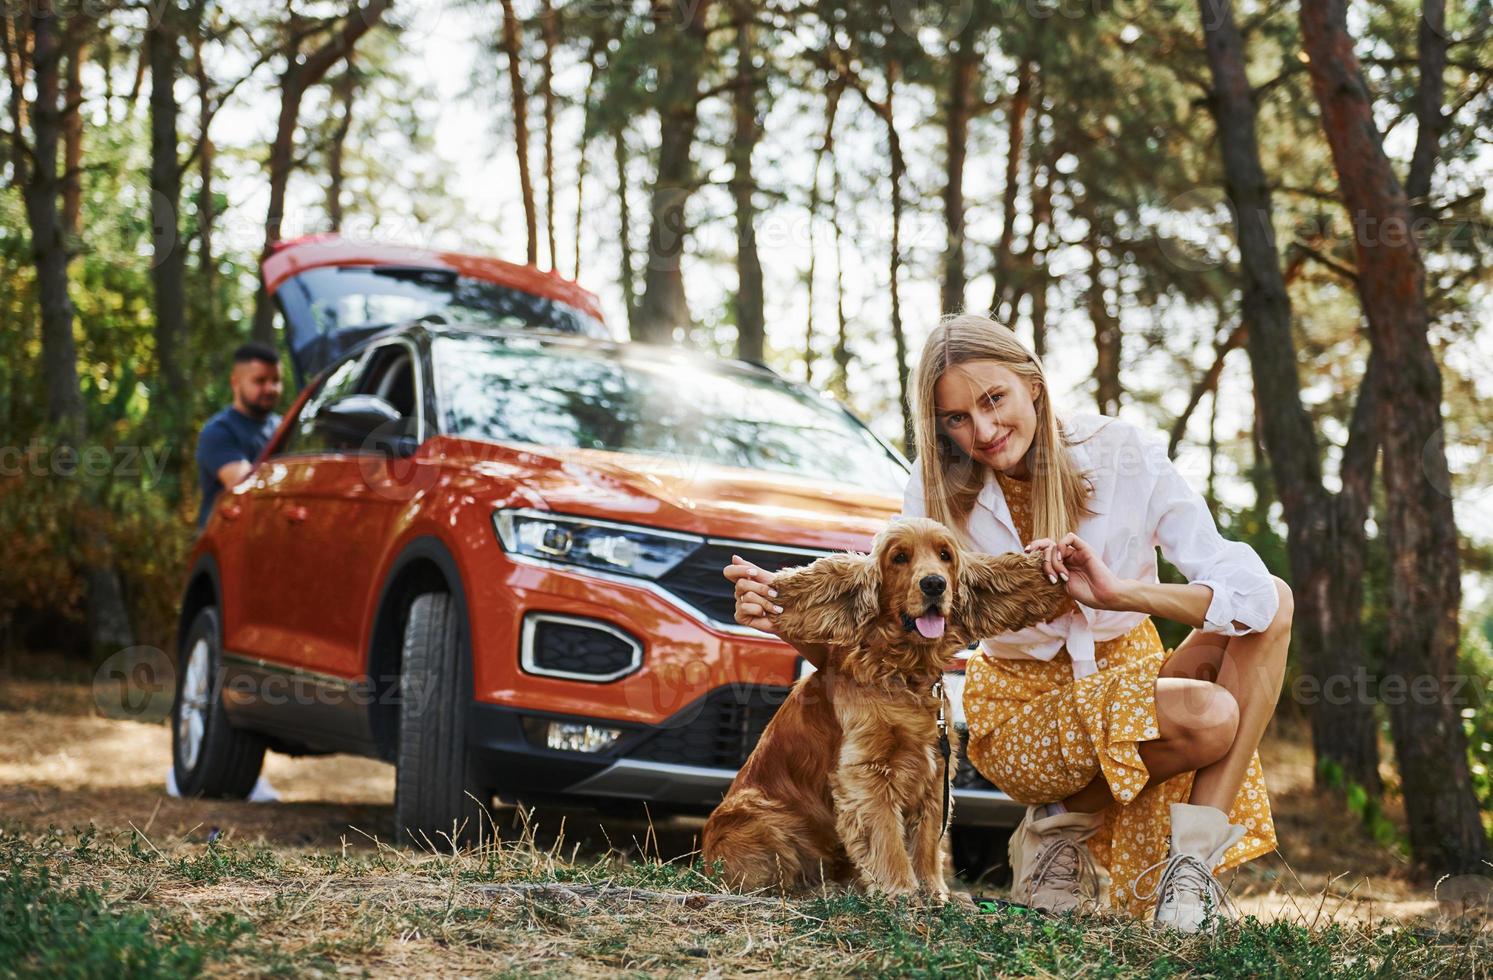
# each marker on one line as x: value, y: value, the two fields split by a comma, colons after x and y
x: 486, y: 544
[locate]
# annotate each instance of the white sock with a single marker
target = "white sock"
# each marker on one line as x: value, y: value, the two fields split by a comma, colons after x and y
x: 1052, y: 810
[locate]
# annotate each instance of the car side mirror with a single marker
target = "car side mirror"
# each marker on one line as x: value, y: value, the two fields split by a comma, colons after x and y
x: 364, y: 422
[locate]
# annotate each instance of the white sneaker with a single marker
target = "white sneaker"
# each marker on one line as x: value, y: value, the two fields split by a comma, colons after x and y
x: 1187, y: 893
x: 1051, y: 868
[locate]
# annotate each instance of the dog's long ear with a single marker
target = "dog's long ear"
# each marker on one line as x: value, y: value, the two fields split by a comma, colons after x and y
x: 833, y: 600
x: 1002, y: 593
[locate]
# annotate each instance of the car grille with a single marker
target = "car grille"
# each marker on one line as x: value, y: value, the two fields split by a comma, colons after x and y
x: 574, y: 648
x: 719, y: 731
x: 699, y: 582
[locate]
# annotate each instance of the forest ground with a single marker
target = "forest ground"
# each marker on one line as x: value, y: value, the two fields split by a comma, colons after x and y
x: 309, y: 884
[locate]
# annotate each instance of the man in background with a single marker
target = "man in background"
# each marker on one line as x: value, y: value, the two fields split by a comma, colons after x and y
x: 231, y: 440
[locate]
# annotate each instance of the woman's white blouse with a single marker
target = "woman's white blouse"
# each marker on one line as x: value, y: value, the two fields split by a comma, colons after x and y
x: 1141, y: 501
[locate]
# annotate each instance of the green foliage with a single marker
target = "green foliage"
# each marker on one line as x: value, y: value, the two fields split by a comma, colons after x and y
x: 1476, y: 661
x: 48, y: 929
x: 127, y: 499
x: 1364, y: 805
x: 216, y: 863
x: 144, y: 912
x: 892, y: 938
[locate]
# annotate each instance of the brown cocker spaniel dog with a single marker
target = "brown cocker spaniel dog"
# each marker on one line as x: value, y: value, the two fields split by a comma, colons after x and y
x: 845, y: 785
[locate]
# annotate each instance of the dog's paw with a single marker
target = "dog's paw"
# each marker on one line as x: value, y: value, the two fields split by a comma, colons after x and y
x: 928, y: 901
x: 934, y: 896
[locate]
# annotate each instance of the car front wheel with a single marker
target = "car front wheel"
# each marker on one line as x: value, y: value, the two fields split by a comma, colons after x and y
x: 209, y: 757
x: 437, y: 802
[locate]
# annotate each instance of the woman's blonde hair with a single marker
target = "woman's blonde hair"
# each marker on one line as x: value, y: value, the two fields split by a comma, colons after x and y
x: 951, y: 479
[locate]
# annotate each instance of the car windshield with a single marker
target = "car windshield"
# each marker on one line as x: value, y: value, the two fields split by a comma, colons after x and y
x: 524, y: 390
x: 334, y: 299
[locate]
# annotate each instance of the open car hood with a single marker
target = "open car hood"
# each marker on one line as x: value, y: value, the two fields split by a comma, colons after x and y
x: 334, y: 294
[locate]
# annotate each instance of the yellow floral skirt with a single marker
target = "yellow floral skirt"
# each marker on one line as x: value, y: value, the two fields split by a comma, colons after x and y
x: 1040, y: 736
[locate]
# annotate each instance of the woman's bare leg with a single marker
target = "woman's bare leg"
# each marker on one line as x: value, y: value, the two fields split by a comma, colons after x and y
x: 1197, y: 722
x: 1252, y: 668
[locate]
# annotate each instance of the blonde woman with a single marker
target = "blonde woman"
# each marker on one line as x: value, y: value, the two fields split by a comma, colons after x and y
x: 1140, y: 756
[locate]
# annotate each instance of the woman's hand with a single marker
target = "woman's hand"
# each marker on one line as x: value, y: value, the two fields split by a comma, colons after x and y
x: 754, y: 595
x: 1081, y: 570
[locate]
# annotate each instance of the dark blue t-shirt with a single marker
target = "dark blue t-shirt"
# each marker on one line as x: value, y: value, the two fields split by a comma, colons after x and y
x: 227, y: 438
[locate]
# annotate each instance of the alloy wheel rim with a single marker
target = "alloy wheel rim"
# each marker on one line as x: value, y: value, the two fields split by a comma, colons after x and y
x: 191, y: 722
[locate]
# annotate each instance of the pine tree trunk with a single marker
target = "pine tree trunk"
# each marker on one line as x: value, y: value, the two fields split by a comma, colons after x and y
x: 894, y: 277
x: 625, y: 272
x: 962, y: 75
x: 168, y: 265
x: 664, y: 307
x: 840, y: 380
x: 301, y: 72
x: 1446, y: 833
x: 593, y: 53
x: 72, y: 139
x: 549, y: 28
x: 520, y: 109
x: 1345, y: 729
x: 281, y: 158
x: 346, y: 91
x: 40, y: 187
x: 825, y: 149
x: 1043, y: 175
x: 750, y: 340
x: 1429, y: 115
x: 207, y: 262
x: 1107, y: 336
x: 1029, y: 269
x: 1326, y: 537
x: 1016, y: 137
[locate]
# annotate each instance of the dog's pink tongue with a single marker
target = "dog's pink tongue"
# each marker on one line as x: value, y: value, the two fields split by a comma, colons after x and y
x: 930, y: 625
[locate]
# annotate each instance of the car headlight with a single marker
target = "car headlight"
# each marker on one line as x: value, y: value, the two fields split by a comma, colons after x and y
x: 599, y: 545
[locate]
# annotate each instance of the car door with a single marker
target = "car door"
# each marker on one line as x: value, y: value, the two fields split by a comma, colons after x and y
x: 270, y: 589
x: 336, y: 504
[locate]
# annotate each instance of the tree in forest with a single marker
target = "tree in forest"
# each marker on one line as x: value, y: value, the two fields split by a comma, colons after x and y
x: 163, y: 42
x: 549, y: 27
x: 1446, y: 833
x: 370, y: 100
x: 751, y: 343
x: 961, y: 104
x: 1326, y: 531
x: 345, y: 89
x: 35, y: 41
x: 309, y: 50
x: 1097, y: 139
x: 512, y: 43
x: 679, y: 41
x: 834, y: 90
x: 866, y: 48
x: 34, y: 44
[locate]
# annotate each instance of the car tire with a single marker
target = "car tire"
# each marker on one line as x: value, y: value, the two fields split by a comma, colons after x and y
x: 209, y: 757
x: 437, y: 802
x: 980, y: 855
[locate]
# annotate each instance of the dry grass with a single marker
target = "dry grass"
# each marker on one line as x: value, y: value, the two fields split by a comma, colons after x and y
x: 307, y: 886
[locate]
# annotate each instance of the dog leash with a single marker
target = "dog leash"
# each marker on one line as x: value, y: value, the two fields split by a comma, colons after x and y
x: 943, y: 750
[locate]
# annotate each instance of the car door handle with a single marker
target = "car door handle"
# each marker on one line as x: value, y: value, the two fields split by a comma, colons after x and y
x: 295, y: 514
